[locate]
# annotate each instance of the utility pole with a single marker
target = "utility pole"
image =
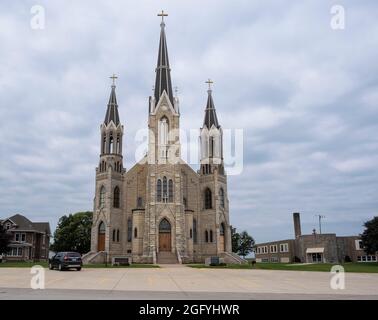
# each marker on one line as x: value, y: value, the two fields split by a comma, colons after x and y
x: 320, y: 222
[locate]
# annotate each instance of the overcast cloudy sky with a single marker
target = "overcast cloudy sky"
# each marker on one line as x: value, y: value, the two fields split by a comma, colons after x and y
x: 305, y: 95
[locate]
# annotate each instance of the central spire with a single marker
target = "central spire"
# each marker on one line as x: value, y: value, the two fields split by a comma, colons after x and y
x: 163, y: 71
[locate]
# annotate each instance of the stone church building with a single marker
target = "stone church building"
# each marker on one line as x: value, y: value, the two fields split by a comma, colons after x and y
x: 161, y: 210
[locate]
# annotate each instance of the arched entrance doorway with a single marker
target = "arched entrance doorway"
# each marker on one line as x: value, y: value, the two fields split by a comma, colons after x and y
x: 101, y: 237
x: 164, y: 235
x: 222, y: 243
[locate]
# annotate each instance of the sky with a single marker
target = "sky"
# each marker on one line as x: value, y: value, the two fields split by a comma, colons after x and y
x: 304, y: 93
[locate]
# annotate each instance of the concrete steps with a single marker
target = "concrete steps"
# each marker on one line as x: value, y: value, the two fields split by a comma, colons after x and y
x: 165, y: 257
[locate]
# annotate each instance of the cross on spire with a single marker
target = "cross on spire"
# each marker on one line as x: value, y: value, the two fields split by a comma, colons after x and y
x: 162, y: 15
x: 209, y: 82
x: 113, y: 77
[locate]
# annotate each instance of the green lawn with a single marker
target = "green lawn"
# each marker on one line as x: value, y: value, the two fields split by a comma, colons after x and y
x: 135, y: 265
x: 88, y: 266
x: 325, y: 267
x: 23, y: 264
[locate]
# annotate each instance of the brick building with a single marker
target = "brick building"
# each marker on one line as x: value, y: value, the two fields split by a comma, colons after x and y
x: 29, y: 240
x: 310, y: 248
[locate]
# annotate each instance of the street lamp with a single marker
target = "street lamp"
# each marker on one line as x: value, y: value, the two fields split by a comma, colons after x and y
x: 320, y: 222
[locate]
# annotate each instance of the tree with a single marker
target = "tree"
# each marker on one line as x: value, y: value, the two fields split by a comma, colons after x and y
x: 73, y: 233
x: 235, y: 240
x: 370, y: 236
x: 5, y: 239
x: 242, y: 243
x: 246, y: 244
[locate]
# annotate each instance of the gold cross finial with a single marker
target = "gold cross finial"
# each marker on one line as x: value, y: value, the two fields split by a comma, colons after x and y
x: 113, y: 77
x: 209, y: 82
x: 162, y: 15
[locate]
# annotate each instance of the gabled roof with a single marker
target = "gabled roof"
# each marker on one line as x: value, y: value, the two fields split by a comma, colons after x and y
x: 210, y: 113
x: 21, y: 222
x: 24, y: 224
x: 42, y: 227
x: 112, y: 111
x: 163, y: 71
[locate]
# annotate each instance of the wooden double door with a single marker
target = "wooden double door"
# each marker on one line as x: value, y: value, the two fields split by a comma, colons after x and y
x: 165, y: 241
x: 101, y: 237
x: 221, y: 243
x: 165, y: 235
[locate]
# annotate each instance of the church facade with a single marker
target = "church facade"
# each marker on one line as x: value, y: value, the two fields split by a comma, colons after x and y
x: 161, y: 210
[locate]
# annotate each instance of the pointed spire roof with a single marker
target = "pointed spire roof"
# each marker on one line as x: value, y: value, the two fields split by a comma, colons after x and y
x: 163, y: 71
x: 112, y: 111
x: 210, y: 112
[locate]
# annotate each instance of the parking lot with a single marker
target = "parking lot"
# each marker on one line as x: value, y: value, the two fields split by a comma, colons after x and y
x: 181, y: 282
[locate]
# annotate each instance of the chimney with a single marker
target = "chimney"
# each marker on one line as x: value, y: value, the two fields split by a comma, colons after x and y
x: 297, y: 225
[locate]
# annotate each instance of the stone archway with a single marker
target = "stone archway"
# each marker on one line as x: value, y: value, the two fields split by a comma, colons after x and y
x: 165, y: 239
x: 101, y: 237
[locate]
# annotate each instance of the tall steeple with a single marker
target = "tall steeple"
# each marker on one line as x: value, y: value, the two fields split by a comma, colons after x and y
x: 112, y: 111
x: 112, y: 129
x: 210, y: 113
x: 211, y: 137
x: 163, y: 71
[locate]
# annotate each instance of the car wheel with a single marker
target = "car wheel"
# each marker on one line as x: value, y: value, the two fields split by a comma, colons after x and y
x: 50, y: 266
x: 78, y: 269
x: 60, y: 267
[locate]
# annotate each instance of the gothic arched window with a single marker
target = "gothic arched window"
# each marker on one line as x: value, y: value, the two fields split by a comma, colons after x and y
x: 211, y: 235
x: 135, y: 233
x: 194, y: 230
x: 221, y: 197
x: 116, y: 198
x: 101, y: 202
x: 208, y: 200
x: 170, y: 190
x: 185, y: 203
x: 139, y: 202
x: 165, y: 190
x: 129, y: 230
x: 118, y: 235
x: 111, y: 144
x: 158, y: 191
x: 211, y: 153
x: 206, y: 236
x: 103, y: 145
x: 163, y: 131
x: 164, y: 226
x: 101, y: 228
x: 118, y: 146
x: 114, y: 235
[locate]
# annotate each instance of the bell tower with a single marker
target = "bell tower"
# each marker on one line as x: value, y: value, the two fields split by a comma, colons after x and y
x: 213, y: 182
x: 108, y: 204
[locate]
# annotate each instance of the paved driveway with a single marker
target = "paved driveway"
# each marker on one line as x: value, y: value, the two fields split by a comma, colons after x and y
x: 180, y: 282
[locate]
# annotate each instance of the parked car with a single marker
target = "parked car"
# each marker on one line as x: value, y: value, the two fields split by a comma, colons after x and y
x: 66, y: 260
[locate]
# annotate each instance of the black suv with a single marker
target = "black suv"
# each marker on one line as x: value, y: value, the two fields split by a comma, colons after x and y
x: 66, y: 260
